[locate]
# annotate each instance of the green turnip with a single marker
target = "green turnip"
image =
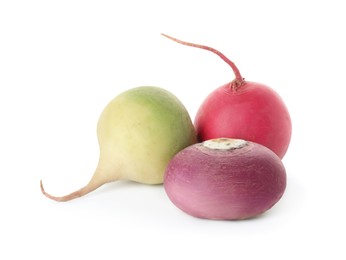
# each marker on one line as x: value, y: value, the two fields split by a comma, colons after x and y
x: 139, y: 131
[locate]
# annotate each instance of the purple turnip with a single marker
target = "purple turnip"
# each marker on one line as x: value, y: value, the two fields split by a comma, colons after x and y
x: 225, y: 179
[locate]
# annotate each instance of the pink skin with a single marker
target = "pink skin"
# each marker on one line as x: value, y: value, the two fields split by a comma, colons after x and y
x: 216, y: 184
x: 254, y: 112
x: 245, y: 110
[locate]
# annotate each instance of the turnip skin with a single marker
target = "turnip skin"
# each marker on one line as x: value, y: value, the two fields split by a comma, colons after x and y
x: 139, y: 131
x: 228, y: 112
x: 254, y: 112
x: 144, y: 127
x: 225, y: 184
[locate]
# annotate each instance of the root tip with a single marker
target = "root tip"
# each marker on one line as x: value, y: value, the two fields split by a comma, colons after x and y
x: 47, y: 194
x: 42, y: 188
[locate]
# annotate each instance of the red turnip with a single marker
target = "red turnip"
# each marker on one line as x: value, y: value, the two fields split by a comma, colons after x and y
x: 225, y: 179
x: 245, y: 110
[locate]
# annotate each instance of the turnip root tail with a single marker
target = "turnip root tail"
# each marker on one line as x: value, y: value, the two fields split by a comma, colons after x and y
x: 95, y: 182
x: 76, y: 194
x: 237, y: 82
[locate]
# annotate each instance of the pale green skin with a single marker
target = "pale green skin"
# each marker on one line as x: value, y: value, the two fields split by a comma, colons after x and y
x: 139, y: 132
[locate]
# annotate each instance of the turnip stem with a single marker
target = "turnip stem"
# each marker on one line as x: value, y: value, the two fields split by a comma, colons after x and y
x: 237, y: 82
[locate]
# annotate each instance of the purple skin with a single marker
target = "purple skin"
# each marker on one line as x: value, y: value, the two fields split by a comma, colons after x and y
x: 237, y: 183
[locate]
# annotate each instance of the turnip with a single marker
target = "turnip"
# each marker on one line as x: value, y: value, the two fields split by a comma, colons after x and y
x: 225, y: 178
x: 139, y: 131
x: 243, y: 109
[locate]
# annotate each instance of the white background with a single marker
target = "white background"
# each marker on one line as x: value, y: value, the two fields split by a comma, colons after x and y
x: 62, y: 61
